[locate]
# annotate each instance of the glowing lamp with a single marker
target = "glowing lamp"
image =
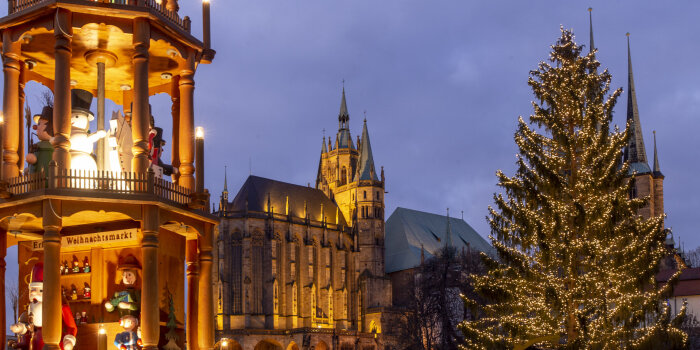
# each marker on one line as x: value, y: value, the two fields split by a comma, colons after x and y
x: 199, y: 132
x: 2, y: 118
x: 224, y: 343
x: 102, y: 330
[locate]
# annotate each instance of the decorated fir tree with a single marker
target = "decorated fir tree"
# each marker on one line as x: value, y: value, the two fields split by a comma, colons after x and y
x: 171, y: 336
x: 576, y: 263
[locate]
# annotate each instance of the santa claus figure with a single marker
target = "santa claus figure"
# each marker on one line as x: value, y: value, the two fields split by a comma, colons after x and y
x: 29, y: 327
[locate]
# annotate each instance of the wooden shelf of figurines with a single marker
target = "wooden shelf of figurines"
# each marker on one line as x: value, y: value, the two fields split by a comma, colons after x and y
x: 76, y: 285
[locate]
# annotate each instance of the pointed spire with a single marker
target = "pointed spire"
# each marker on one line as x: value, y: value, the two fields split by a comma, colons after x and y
x: 448, y: 233
x: 635, y: 151
x: 657, y: 168
x: 590, y: 21
x: 343, y: 115
x: 225, y: 179
x: 319, y: 174
x: 365, y: 168
x: 343, y: 139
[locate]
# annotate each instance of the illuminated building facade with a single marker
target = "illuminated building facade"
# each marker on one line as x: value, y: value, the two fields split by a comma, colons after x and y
x: 303, y: 267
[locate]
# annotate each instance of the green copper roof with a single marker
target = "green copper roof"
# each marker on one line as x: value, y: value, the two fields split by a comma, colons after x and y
x: 407, y: 231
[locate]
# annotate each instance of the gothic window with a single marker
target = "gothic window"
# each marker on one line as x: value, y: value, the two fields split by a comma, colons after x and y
x: 330, y: 305
x: 237, y: 278
x: 633, y: 189
x: 292, y: 260
x: 275, y: 298
x: 295, y: 296
x: 313, y: 303
x: 344, y: 176
x: 257, y: 272
x: 364, y: 195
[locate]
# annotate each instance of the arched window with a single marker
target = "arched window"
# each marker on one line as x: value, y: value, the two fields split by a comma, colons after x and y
x: 275, y: 297
x: 313, y: 303
x: 344, y: 176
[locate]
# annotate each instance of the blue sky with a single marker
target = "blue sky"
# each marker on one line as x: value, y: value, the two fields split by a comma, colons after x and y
x: 442, y: 84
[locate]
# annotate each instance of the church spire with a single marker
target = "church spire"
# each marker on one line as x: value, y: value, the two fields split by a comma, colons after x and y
x: 635, y: 151
x: 343, y: 139
x: 343, y: 116
x: 365, y: 168
x: 657, y: 168
x: 319, y: 175
x: 590, y: 22
x: 225, y: 179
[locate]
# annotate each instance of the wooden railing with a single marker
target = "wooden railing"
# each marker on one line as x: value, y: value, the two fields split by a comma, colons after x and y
x: 103, y: 182
x: 159, y: 7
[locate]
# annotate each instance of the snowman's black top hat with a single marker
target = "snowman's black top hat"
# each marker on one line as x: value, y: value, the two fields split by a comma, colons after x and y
x: 81, y: 101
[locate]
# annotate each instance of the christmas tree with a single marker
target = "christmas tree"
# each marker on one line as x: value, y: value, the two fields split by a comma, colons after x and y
x: 577, y: 265
x: 171, y: 336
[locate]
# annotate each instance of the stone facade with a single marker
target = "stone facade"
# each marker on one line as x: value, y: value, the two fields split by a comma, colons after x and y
x: 304, y: 267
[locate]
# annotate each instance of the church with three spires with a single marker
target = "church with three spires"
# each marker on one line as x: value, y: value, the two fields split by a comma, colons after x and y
x: 301, y: 266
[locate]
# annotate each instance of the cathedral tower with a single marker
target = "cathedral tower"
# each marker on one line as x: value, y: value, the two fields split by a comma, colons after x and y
x: 647, y: 182
x: 348, y: 176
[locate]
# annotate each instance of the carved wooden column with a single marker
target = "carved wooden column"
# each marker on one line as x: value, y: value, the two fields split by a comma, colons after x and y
x: 52, y: 323
x: 150, y: 313
x: 206, y: 294
x: 63, y: 33
x: 175, y: 151
x: 10, y: 105
x: 140, y: 113
x: 187, y: 123
x: 192, y: 307
x: 3, y: 269
x: 21, y: 141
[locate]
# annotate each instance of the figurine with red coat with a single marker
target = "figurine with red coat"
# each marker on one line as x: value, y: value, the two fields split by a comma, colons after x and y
x: 29, y: 326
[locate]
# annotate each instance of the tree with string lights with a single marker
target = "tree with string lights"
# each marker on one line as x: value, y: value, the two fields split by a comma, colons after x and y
x: 576, y: 263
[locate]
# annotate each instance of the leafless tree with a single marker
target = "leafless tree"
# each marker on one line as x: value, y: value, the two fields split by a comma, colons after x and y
x: 12, y: 292
x: 691, y: 326
x: 435, y: 306
x: 692, y: 258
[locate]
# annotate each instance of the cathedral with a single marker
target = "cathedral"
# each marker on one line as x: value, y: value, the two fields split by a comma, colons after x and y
x: 301, y: 266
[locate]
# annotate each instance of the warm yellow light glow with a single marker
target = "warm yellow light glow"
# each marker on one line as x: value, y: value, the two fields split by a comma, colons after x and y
x: 205, y: 1
x: 102, y: 330
x: 2, y: 118
x: 224, y: 343
x: 199, y: 132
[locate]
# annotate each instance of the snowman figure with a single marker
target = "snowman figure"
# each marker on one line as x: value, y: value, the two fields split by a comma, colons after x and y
x: 82, y: 142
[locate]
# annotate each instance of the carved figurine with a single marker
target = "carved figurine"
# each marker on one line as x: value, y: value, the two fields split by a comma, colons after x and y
x: 127, y: 300
x: 87, y: 291
x: 42, y: 151
x: 81, y: 142
x: 129, y: 339
x: 86, y: 265
x: 66, y: 270
x: 155, y: 150
x: 77, y: 318
x: 76, y: 264
x: 73, y: 292
x: 83, y: 317
x: 30, y: 324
